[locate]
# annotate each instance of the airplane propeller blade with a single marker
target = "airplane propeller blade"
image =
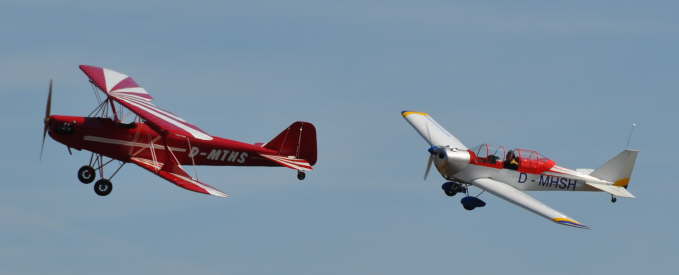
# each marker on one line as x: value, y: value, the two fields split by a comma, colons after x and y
x: 48, y: 110
x: 433, y: 151
x: 431, y: 158
x: 426, y: 172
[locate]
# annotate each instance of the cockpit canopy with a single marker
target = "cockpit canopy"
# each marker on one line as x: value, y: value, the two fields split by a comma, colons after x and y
x: 517, y: 159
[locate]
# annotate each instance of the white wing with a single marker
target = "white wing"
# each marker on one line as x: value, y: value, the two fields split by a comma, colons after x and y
x: 431, y: 131
x: 522, y: 199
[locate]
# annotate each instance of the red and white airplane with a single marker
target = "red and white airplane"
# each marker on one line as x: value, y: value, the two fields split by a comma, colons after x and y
x: 508, y: 173
x: 160, y: 141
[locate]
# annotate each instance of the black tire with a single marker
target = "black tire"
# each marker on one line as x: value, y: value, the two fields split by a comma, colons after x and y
x: 468, y: 207
x: 301, y: 175
x: 103, y: 187
x: 86, y: 174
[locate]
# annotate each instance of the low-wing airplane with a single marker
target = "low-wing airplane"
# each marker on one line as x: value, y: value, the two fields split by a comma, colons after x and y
x: 507, y: 173
x: 160, y: 141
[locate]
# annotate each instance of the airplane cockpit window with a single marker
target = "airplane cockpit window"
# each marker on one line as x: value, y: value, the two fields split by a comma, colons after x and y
x: 489, y: 153
x: 515, y: 159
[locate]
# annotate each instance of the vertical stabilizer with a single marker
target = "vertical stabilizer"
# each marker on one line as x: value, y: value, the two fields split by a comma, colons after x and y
x: 298, y: 140
x: 618, y: 169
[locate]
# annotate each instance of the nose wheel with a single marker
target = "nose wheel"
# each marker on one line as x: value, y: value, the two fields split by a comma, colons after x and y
x: 452, y: 188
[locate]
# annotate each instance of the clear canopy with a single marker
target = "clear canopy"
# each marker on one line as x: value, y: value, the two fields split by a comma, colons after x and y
x: 495, y: 153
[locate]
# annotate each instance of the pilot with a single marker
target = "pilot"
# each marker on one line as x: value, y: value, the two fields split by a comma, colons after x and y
x: 512, y: 161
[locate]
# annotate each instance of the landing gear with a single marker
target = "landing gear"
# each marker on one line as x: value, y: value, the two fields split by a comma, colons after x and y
x: 452, y: 188
x: 613, y: 199
x: 301, y: 175
x: 470, y: 202
x: 86, y: 174
x: 103, y: 187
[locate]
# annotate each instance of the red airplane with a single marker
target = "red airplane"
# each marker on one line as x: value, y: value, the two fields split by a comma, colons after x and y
x: 161, y: 142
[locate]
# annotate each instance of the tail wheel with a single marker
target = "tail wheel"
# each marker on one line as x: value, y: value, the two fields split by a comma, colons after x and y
x: 301, y: 175
x: 86, y: 174
x: 103, y: 187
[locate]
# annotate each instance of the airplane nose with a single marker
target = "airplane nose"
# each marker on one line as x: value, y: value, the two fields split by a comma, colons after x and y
x: 457, y: 160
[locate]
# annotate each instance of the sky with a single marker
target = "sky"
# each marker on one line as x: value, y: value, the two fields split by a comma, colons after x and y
x: 567, y: 79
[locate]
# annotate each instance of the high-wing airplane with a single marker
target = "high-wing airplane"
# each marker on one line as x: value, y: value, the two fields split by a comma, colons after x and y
x: 507, y: 173
x: 160, y: 141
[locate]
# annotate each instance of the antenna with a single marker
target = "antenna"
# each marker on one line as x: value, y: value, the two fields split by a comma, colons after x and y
x: 631, y: 131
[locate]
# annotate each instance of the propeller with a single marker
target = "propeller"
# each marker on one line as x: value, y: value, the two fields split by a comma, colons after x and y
x: 433, y: 150
x: 46, y: 120
x: 426, y: 172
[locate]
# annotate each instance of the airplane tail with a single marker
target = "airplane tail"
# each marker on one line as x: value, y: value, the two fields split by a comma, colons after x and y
x: 618, y: 169
x: 298, y: 140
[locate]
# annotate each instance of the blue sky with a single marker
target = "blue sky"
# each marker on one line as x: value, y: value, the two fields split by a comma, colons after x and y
x: 566, y: 79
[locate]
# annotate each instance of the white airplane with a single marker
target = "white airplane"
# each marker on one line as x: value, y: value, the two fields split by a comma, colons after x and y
x: 507, y: 173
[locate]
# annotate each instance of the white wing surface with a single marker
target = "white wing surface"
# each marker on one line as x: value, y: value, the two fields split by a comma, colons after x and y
x: 431, y: 131
x: 522, y: 199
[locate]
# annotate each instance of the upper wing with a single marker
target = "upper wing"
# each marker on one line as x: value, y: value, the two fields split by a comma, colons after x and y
x: 124, y: 90
x: 175, y: 174
x: 431, y: 131
x: 522, y: 199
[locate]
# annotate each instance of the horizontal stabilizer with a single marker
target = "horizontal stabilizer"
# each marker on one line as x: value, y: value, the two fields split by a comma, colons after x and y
x: 585, y: 171
x: 617, y: 191
x: 290, y: 162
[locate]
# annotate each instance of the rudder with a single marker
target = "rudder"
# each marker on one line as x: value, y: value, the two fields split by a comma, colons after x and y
x: 618, y: 169
x: 298, y: 140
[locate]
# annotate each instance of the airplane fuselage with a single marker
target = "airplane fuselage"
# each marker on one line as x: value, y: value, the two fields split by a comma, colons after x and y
x: 122, y: 141
x: 459, y: 166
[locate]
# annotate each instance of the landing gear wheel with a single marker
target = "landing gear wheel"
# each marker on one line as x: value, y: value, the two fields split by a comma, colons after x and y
x: 301, y: 175
x: 470, y: 202
x: 468, y: 207
x: 614, y: 199
x: 449, y: 189
x: 86, y: 174
x: 103, y: 187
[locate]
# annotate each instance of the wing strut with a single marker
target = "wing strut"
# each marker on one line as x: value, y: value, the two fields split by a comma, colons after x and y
x: 193, y: 161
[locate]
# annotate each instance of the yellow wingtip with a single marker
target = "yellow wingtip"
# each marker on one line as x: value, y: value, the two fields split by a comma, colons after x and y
x: 570, y: 222
x: 407, y: 113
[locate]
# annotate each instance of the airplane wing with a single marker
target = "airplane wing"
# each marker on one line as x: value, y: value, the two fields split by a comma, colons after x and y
x: 431, y: 131
x: 175, y: 174
x: 124, y: 90
x: 522, y: 199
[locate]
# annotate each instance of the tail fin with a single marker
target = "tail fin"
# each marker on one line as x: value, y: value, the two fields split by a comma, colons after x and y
x: 618, y: 169
x: 298, y: 140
